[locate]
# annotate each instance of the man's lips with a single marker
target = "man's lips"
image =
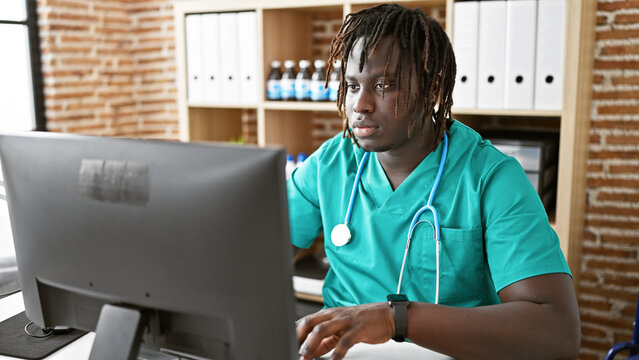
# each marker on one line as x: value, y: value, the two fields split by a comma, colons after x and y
x: 363, y: 128
x: 364, y: 131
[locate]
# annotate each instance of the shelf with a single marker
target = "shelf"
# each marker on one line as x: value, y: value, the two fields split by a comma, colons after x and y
x: 502, y: 112
x: 221, y: 106
x: 300, y: 105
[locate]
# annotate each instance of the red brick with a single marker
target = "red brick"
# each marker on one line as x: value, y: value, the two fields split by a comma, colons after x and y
x: 71, y: 95
x: 592, y: 168
x: 165, y: 19
x: 117, y: 20
x: 625, y: 80
x: 616, y: 5
x: 608, y: 321
x: 616, y: 154
x: 81, y: 5
x: 599, y: 345
x: 111, y: 30
x: 608, y: 252
x: 74, y: 16
x: 616, y: 94
x: 618, y: 109
x: 612, y: 182
x: 610, y: 210
x: 612, y: 265
x: 108, y: 8
x: 86, y: 129
x: 621, y: 280
x: 586, y: 356
x: 617, y: 34
x: 629, y: 310
x: 597, y: 79
x: 80, y: 61
x: 623, y: 240
x: 85, y: 106
x: 594, y: 304
x: 615, y: 124
x: 601, y: 20
x: 60, y: 27
x: 623, y: 139
x: 620, y: 50
x: 626, y: 18
x: 67, y: 118
x: 619, y: 224
x: 624, y: 169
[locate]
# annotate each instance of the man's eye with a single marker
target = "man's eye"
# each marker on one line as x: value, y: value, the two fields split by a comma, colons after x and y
x: 384, y: 86
x: 352, y: 87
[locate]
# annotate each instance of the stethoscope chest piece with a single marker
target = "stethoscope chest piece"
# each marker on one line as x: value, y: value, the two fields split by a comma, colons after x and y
x: 341, y: 235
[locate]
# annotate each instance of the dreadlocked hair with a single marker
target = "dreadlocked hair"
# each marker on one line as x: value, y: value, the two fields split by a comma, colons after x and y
x: 424, y: 51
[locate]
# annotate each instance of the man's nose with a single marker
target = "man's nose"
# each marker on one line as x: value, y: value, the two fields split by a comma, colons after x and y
x: 365, y: 102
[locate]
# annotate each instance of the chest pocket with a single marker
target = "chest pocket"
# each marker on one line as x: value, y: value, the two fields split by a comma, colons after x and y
x: 463, y: 269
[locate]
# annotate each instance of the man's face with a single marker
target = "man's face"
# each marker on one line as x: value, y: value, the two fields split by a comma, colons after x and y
x: 371, y: 117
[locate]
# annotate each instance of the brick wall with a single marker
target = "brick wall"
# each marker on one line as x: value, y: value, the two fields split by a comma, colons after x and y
x: 610, y: 262
x: 109, y: 67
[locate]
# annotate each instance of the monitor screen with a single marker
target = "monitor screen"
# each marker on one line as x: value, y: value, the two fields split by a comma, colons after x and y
x: 194, y: 238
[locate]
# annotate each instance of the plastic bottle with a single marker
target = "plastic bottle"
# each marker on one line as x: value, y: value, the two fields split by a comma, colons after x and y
x: 290, y: 165
x: 301, y: 157
x: 318, y: 81
x: 333, y: 83
x: 288, y: 80
x: 303, y: 81
x: 273, y: 84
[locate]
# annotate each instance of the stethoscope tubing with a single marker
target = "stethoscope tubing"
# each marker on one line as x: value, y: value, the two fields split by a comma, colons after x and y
x: 354, y: 192
x: 414, y: 222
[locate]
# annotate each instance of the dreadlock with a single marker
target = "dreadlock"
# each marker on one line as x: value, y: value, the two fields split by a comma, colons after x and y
x: 424, y: 51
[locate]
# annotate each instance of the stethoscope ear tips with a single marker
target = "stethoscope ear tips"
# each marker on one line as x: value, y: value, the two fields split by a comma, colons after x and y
x: 341, y: 235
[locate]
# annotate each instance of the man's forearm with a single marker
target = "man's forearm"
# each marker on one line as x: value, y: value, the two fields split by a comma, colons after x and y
x: 515, y: 330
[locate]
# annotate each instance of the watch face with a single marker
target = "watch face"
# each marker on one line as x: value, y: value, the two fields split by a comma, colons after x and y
x: 397, y: 297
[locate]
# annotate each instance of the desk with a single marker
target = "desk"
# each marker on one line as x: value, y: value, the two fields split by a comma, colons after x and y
x: 81, y: 348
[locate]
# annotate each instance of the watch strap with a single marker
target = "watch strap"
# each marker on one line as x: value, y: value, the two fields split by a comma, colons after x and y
x: 400, y: 314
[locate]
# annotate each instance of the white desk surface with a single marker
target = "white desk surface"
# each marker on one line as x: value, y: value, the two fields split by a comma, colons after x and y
x: 80, y: 349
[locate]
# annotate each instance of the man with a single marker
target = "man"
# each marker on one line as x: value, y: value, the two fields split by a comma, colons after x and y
x: 493, y: 284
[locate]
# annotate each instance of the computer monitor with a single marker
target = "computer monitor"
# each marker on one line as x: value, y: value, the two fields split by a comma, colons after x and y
x: 193, y: 238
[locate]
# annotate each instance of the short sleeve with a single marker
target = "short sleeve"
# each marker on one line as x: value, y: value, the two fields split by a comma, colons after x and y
x: 303, y: 202
x: 520, y: 242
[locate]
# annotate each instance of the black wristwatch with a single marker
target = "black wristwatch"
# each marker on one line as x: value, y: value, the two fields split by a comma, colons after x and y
x: 399, y: 303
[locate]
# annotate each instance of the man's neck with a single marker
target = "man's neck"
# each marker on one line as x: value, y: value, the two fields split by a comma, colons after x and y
x: 400, y: 162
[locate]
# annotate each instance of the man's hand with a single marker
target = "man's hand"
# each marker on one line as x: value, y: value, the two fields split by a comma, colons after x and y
x: 341, y: 328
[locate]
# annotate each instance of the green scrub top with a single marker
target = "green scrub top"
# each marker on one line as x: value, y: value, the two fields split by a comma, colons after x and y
x: 494, y: 229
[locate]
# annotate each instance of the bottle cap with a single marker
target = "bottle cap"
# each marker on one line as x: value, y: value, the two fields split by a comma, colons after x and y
x: 289, y: 64
x: 275, y: 64
x: 301, y: 157
x: 304, y: 64
x: 289, y: 157
x: 319, y: 64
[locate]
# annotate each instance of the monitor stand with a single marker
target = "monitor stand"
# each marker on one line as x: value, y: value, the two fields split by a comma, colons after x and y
x: 118, y: 333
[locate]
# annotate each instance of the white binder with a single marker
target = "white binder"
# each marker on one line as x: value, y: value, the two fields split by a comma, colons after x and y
x: 229, y: 62
x: 551, y: 17
x: 465, y: 45
x: 492, y: 54
x: 521, y: 25
x: 195, y: 83
x: 211, y: 59
x: 247, y: 38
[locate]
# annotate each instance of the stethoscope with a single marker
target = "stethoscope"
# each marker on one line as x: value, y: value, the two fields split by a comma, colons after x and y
x: 341, y: 234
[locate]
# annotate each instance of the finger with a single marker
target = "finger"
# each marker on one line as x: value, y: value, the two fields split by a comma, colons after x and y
x: 344, y: 344
x: 325, y: 346
x: 324, y: 330
x: 307, y: 323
